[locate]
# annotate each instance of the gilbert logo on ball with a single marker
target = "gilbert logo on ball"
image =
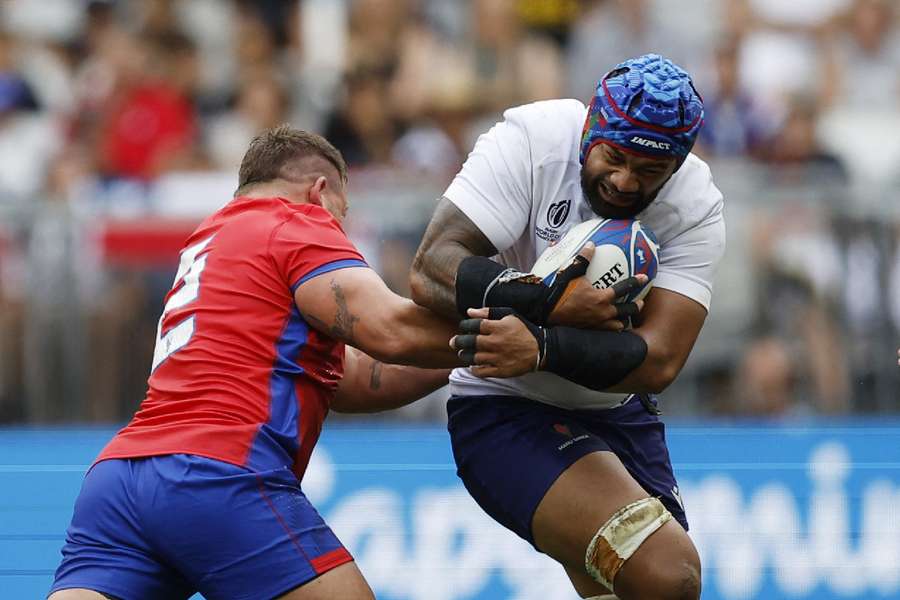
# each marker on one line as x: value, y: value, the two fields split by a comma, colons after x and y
x: 614, y: 274
x: 623, y: 247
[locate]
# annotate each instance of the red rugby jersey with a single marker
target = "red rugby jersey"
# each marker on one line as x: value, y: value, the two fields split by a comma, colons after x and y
x: 238, y: 375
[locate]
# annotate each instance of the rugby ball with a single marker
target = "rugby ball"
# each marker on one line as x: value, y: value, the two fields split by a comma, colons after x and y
x: 624, y: 248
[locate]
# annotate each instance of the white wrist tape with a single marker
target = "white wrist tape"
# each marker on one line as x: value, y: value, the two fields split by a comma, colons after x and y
x: 621, y: 536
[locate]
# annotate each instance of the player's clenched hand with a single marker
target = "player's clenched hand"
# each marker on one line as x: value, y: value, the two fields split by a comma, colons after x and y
x: 496, y: 342
x: 586, y: 307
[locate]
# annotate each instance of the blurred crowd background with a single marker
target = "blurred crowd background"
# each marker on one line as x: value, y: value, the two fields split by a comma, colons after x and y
x: 122, y: 124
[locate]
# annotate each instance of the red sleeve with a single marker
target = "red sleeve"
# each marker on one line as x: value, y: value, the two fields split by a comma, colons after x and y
x: 309, y: 243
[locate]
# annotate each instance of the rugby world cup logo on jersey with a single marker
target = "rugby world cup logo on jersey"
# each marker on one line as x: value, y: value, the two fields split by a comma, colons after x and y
x: 558, y: 213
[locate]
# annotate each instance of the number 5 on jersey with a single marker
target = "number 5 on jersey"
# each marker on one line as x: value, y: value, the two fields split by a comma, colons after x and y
x: 189, y: 270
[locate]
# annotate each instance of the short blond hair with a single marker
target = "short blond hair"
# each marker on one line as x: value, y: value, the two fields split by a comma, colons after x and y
x: 274, y: 149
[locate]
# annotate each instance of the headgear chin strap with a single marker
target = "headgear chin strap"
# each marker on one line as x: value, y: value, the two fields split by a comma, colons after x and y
x: 647, y: 106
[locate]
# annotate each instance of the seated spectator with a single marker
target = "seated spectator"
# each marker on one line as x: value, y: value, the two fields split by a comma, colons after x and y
x: 628, y: 29
x: 862, y: 93
x: 732, y: 123
x: 766, y: 380
x: 794, y: 152
x: 864, y: 58
x: 505, y: 56
x: 262, y: 102
x: 781, y: 53
x: 798, y: 263
x: 362, y: 126
x: 27, y: 136
x: 15, y: 93
x: 151, y: 125
x: 438, y: 139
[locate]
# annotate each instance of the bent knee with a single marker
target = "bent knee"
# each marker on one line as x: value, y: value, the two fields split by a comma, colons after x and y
x: 679, y: 580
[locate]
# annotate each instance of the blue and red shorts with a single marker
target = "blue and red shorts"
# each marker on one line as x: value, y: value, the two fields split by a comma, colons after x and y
x: 166, y: 527
x: 510, y: 450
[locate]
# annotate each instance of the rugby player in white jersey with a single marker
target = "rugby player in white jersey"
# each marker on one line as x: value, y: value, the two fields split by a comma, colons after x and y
x: 573, y: 458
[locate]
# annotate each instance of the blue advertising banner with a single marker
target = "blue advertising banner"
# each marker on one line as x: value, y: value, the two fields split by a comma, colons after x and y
x: 776, y: 512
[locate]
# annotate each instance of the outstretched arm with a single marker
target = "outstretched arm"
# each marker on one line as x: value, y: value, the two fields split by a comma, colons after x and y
x: 355, y: 306
x: 370, y: 386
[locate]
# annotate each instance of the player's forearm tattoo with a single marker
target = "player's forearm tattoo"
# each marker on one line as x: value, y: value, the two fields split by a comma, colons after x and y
x: 375, y: 378
x: 342, y: 328
x: 440, y: 295
x: 450, y: 238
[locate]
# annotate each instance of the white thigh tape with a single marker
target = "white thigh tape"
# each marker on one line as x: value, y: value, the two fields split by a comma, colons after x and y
x: 621, y: 535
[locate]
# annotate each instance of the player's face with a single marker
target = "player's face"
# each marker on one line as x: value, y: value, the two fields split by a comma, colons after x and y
x: 619, y: 185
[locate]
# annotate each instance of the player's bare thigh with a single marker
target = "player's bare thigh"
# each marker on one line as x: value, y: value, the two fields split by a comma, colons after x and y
x: 77, y: 594
x: 345, y: 581
x: 580, y: 501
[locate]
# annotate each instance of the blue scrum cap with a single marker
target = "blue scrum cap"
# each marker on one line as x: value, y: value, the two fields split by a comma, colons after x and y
x: 647, y: 106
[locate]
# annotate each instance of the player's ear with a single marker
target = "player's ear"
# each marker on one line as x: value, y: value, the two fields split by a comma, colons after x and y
x: 317, y: 190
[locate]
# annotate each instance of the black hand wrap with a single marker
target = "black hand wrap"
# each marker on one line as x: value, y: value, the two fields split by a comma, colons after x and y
x: 466, y: 341
x: 594, y: 359
x: 482, y: 282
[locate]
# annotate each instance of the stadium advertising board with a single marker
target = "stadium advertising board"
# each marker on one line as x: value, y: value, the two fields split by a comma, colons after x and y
x: 776, y: 512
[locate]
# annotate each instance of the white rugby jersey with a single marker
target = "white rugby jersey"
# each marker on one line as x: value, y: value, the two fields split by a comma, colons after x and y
x: 521, y: 185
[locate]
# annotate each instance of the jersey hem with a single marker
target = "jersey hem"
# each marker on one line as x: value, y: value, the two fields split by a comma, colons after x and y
x: 134, y: 455
x: 461, y: 387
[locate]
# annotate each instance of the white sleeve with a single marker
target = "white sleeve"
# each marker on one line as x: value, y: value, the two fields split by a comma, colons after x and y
x: 494, y: 186
x: 687, y: 262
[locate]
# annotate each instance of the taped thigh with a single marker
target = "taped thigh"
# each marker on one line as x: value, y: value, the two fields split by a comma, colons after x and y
x: 621, y: 536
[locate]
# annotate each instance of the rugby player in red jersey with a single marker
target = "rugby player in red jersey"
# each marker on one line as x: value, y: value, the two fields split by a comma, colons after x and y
x: 201, y: 491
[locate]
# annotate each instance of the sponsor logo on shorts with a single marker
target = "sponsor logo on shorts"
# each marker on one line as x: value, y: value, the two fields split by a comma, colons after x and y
x: 677, y: 494
x: 564, y: 430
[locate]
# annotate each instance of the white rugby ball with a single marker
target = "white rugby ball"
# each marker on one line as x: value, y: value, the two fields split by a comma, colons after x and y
x: 624, y: 248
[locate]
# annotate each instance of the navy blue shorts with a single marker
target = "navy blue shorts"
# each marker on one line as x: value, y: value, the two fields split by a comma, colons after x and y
x: 510, y: 450
x: 165, y: 527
